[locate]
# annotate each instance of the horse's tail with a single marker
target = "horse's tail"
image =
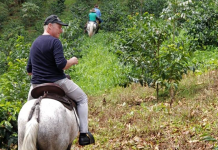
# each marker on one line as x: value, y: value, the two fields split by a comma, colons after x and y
x: 31, y: 132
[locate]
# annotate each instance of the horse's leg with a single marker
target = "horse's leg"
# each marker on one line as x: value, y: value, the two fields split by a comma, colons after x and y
x: 69, y: 146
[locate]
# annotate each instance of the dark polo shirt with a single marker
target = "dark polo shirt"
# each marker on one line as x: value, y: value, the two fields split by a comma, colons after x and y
x: 46, y: 60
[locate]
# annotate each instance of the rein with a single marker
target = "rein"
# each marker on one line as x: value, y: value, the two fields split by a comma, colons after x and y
x: 36, y: 107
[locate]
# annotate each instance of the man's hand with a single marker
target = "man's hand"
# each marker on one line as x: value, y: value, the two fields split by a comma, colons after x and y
x: 74, y: 60
x: 70, y: 62
x: 29, y: 74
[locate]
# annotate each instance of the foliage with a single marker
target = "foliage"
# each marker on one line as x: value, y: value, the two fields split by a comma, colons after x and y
x: 21, y: 49
x: 141, y: 6
x: 202, y: 24
x: 154, y: 7
x: 113, y: 15
x: 14, y: 88
x: 143, y: 44
x: 199, y: 18
x: 40, y: 3
x: 3, y: 63
x: 152, y: 51
x: 71, y: 38
x: 6, y: 2
x: 173, y: 64
x: 135, y: 6
x: 15, y: 81
x: 57, y: 7
x: 204, y: 61
x: 81, y: 11
x: 8, y: 123
x: 3, y: 13
x: 139, y: 46
x: 10, y: 49
x: 30, y: 12
x: 99, y: 69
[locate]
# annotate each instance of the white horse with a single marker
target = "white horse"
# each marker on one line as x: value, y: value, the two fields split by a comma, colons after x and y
x: 91, y: 28
x: 56, y: 130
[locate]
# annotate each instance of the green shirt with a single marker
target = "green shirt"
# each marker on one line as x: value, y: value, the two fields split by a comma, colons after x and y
x: 92, y: 16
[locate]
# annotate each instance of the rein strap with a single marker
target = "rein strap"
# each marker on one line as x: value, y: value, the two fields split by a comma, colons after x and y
x: 36, y: 107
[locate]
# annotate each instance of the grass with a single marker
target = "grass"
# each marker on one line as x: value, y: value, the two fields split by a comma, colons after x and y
x: 132, y: 118
x: 99, y: 69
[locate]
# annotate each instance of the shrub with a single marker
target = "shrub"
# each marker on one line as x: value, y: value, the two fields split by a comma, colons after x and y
x: 3, y: 13
x: 202, y: 24
x: 114, y: 15
x: 14, y: 89
x: 57, y: 7
x: 30, y: 13
x: 157, y: 59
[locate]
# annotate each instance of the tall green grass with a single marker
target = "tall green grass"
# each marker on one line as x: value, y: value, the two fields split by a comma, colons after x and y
x: 99, y: 69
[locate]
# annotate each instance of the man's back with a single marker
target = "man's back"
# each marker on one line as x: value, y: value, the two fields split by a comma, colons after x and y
x: 46, y: 60
x: 92, y: 16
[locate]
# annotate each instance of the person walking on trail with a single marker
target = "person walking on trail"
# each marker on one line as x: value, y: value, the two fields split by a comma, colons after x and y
x: 47, y: 63
x: 98, y: 13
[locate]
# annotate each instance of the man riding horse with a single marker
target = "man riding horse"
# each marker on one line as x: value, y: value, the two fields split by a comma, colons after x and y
x: 93, y: 17
x: 47, y: 63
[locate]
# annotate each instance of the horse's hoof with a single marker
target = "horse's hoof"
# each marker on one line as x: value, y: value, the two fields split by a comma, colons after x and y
x: 86, y: 139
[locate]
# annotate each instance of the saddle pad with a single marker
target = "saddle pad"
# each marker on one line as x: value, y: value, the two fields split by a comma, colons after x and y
x: 39, y: 90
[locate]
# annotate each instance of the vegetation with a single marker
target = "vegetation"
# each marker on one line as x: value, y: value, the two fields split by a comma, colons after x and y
x: 150, y: 73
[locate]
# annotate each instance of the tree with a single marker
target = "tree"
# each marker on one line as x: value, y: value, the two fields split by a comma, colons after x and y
x: 157, y: 59
x: 30, y: 13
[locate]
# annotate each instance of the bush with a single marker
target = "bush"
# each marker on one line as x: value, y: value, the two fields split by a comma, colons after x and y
x: 14, y: 90
x: 3, y: 13
x: 202, y: 24
x: 30, y: 13
x: 8, y: 124
x: 3, y: 62
x: 57, y: 7
x: 80, y: 11
x: 154, y: 7
x: 114, y: 15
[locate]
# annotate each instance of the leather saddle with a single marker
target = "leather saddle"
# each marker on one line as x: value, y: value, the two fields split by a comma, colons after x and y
x: 53, y: 91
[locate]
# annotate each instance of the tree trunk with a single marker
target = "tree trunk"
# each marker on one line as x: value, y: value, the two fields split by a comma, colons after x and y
x: 172, y: 95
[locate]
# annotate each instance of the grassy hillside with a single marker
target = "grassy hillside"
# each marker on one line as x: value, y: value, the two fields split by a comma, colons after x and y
x: 132, y: 118
x: 120, y: 118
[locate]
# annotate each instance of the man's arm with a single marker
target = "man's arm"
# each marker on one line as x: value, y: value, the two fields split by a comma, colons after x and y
x: 70, y: 62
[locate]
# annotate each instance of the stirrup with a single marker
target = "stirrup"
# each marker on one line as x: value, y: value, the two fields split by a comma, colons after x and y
x: 92, y: 139
x: 87, y: 139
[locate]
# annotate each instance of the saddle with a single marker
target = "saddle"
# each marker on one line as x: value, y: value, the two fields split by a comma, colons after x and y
x: 53, y: 91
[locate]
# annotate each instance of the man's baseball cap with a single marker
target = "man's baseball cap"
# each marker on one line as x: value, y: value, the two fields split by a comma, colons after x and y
x: 54, y: 19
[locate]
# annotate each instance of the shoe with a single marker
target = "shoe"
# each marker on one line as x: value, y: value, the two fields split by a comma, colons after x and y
x: 86, y: 139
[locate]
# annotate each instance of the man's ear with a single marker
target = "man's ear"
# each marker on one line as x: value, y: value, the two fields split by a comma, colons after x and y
x: 49, y: 25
